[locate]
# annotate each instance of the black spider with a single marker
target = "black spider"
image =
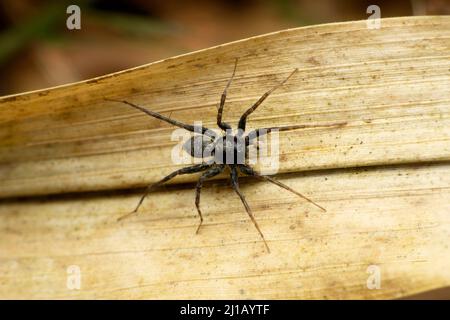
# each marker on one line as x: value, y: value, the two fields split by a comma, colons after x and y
x: 218, y: 147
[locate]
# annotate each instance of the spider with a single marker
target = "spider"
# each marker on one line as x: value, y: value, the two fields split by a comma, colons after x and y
x: 233, y: 147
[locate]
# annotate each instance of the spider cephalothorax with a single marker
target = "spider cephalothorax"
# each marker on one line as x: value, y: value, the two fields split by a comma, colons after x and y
x: 224, y: 151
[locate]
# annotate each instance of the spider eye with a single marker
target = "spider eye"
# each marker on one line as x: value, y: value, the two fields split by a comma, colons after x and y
x: 196, y: 145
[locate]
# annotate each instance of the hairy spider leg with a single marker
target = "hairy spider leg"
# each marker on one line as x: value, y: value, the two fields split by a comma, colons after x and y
x: 243, y: 120
x: 156, y: 115
x: 262, y: 131
x: 211, y: 172
x: 235, y: 185
x: 150, y: 188
x: 223, y: 125
x: 249, y: 171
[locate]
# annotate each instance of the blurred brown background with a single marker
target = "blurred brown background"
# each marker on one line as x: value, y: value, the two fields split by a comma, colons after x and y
x: 38, y: 51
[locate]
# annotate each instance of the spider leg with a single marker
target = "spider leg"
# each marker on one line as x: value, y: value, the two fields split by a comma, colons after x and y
x: 262, y: 131
x: 235, y: 185
x: 243, y: 119
x: 150, y: 188
x: 159, y: 116
x: 223, y: 125
x: 213, y: 171
x: 249, y: 171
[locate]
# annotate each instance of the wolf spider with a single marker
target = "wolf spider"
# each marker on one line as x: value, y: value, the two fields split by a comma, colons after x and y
x: 219, y: 147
